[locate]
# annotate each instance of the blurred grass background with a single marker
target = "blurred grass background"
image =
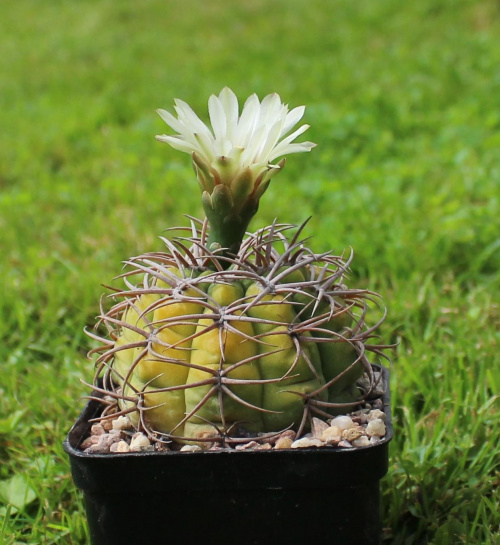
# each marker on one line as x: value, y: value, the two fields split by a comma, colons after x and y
x: 403, y: 99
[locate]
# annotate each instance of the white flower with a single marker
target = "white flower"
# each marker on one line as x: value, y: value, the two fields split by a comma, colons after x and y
x: 238, y: 150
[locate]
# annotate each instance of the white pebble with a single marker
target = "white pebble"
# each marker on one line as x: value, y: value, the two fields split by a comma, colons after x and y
x: 318, y: 426
x: 332, y: 435
x: 362, y: 441
x: 376, y: 427
x: 352, y: 434
x: 376, y: 413
x: 139, y: 442
x: 121, y: 446
x: 191, y: 448
x: 122, y: 423
x: 307, y: 442
x: 343, y: 422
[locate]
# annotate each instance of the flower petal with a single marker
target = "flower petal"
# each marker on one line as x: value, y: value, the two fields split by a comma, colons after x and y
x: 292, y: 118
x: 179, y: 144
x: 189, y: 118
x: 251, y: 153
x: 205, y: 144
x: 230, y: 104
x: 171, y: 121
x: 270, y: 109
x: 217, y: 117
x: 292, y: 148
x: 271, y: 141
x: 246, y: 124
x: 278, y: 150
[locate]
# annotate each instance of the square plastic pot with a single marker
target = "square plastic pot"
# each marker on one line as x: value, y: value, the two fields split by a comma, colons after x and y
x: 268, y: 497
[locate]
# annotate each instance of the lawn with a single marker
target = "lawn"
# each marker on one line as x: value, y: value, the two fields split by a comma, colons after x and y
x: 403, y: 99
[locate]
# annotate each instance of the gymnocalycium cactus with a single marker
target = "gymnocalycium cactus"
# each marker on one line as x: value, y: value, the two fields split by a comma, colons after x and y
x: 226, y: 334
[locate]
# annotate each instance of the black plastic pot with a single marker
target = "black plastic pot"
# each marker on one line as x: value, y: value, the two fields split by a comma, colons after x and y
x: 320, y: 495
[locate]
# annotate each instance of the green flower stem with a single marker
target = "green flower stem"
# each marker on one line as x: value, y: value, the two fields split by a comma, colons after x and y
x: 227, y: 224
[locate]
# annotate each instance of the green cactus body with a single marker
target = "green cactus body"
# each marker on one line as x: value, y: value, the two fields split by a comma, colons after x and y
x: 199, y: 351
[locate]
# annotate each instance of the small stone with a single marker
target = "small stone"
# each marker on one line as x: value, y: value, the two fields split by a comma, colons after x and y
x: 332, y: 435
x: 284, y: 442
x: 191, y: 448
x: 377, y: 404
x: 352, y: 434
x: 107, y: 424
x: 161, y: 447
x: 94, y: 449
x: 103, y: 444
x: 285, y: 439
x: 254, y: 445
x: 375, y: 427
x: 247, y: 446
x: 318, y: 426
x: 379, y: 387
x: 307, y: 442
x: 376, y: 413
x: 263, y: 446
x: 121, y: 446
x: 362, y: 441
x: 122, y: 423
x: 97, y: 429
x: 107, y: 439
x: 139, y: 442
x: 343, y: 422
x: 86, y: 443
x: 374, y: 440
x: 345, y: 444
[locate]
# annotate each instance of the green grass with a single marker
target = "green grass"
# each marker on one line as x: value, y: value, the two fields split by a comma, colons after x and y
x: 403, y: 99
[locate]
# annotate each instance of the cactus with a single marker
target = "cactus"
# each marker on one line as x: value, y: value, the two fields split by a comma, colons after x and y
x: 228, y: 335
